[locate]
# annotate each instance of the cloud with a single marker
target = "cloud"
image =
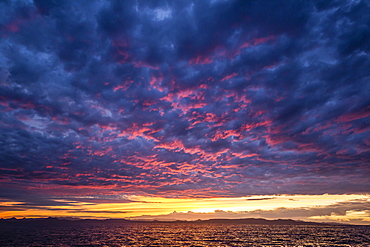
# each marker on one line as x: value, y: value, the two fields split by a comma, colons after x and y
x: 183, y: 98
x: 260, y: 199
x: 328, y: 213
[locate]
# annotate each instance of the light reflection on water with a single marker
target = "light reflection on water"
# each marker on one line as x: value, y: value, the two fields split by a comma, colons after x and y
x: 180, y: 234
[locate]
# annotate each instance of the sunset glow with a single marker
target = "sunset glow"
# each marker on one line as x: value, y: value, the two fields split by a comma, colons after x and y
x: 163, y: 208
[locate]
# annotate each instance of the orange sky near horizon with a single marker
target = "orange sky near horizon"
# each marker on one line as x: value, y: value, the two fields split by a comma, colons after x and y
x: 242, y: 207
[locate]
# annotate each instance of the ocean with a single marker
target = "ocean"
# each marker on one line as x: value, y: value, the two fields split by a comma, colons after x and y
x: 86, y: 233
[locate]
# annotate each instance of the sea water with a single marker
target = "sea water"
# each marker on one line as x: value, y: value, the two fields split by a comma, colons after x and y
x: 85, y: 233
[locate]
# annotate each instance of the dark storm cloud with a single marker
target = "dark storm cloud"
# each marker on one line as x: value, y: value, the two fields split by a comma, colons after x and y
x: 214, y: 98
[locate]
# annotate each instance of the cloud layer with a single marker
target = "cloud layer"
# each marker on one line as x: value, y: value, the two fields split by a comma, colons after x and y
x: 184, y: 98
x: 353, y: 212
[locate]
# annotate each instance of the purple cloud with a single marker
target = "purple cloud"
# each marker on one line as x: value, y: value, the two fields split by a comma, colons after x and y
x: 199, y: 99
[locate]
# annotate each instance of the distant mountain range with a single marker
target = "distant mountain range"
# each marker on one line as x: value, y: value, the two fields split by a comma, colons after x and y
x: 250, y: 221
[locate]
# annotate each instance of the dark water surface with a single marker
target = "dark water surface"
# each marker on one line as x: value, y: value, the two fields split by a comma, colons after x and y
x: 179, y: 234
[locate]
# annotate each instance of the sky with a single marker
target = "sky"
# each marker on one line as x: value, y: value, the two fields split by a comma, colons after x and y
x: 185, y: 109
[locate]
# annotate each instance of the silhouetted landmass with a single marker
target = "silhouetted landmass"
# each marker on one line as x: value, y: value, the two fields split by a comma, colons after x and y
x: 250, y: 221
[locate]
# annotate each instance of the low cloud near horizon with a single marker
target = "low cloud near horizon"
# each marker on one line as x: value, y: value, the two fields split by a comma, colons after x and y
x: 331, y: 213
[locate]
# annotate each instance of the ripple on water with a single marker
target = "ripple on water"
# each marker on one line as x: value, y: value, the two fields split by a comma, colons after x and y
x: 102, y: 233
